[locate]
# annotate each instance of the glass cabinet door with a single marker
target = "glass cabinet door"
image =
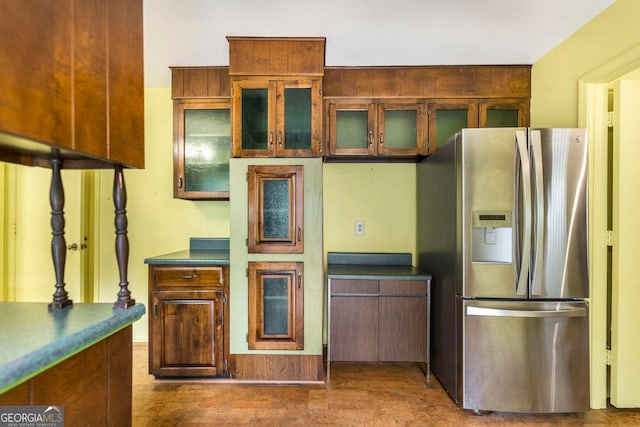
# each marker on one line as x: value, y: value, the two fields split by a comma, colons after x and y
x: 276, y: 118
x: 352, y: 128
x: 203, y: 148
x: 445, y: 119
x: 298, y: 118
x: 503, y: 114
x: 401, y: 129
x: 276, y: 319
x: 275, y: 209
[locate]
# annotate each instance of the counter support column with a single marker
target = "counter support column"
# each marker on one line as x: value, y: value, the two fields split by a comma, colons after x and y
x: 122, y: 241
x: 58, y: 242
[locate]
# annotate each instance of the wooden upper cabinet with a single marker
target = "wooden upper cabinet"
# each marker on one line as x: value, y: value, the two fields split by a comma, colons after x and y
x: 376, y: 128
x: 277, y: 118
x: 446, y: 117
x: 202, y: 132
x: 82, y: 96
x: 276, y: 96
x: 275, y: 209
x: 407, y: 112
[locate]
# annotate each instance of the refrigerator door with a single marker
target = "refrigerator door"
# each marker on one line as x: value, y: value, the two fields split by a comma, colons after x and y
x: 559, y: 253
x: 490, y: 165
x: 525, y: 356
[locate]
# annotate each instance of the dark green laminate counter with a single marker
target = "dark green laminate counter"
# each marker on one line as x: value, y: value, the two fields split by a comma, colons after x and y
x: 202, y: 251
x: 35, y: 338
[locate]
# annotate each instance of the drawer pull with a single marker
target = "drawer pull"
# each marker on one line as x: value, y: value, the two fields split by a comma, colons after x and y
x: 189, y: 276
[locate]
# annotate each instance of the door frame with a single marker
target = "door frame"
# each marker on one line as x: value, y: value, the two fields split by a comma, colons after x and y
x: 592, y: 114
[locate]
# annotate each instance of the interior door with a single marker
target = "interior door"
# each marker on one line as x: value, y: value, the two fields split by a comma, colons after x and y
x: 31, y: 274
x: 625, y: 292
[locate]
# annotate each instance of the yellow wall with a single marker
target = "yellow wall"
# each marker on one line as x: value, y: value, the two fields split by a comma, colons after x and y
x: 383, y: 195
x: 554, y: 86
x: 608, y: 39
x: 158, y: 223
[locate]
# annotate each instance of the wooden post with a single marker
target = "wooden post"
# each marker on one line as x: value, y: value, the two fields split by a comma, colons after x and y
x: 122, y: 241
x: 58, y: 242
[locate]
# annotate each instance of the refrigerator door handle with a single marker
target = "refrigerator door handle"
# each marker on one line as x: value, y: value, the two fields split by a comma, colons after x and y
x: 525, y: 168
x: 536, y: 151
x: 497, y: 312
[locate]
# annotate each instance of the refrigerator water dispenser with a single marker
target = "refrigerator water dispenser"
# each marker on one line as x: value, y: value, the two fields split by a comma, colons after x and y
x: 492, y: 237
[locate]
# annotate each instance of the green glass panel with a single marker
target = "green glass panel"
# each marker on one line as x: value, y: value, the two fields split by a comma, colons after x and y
x: 502, y: 118
x: 276, y: 305
x: 400, y: 129
x: 297, y: 118
x: 448, y: 122
x: 351, y: 129
x: 255, y: 124
x: 207, y: 146
x: 276, y: 209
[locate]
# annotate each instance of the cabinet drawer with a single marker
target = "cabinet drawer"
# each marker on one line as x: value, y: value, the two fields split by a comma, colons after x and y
x: 403, y: 287
x: 341, y: 286
x: 187, y: 277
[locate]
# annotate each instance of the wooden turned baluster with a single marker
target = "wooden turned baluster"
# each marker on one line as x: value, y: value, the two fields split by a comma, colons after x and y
x: 58, y: 242
x: 122, y: 241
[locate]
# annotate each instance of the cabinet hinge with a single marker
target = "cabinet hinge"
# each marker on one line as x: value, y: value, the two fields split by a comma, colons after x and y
x: 609, y: 237
x: 246, y: 272
x: 224, y: 298
x: 246, y: 242
x: 224, y: 365
x: 247, y: 337
x: 607, y: 355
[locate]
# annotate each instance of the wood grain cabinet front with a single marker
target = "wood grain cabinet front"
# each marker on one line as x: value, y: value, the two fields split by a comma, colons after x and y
x: 188, y: 326
x: 379, y: 320
x: 394, y: 128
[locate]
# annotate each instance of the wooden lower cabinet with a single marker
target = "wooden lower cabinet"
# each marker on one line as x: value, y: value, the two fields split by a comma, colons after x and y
x: 188, y: 326
x: 93, y: 386
x: 379, y: 320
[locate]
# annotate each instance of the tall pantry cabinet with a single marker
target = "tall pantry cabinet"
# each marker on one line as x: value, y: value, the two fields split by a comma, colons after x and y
x: 276, y: 257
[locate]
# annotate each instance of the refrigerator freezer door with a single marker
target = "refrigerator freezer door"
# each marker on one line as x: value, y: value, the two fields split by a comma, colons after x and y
x: 488, y: 168
x: 525, y: 356
x: 560, y: 270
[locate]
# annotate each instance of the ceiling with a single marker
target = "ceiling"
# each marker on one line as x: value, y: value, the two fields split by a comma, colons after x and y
x: 364, y: 32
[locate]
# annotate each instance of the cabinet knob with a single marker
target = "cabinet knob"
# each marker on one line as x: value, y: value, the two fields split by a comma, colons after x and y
x: 370, y: 138
x: 279, y: 138
x: 270, y: 138
x: 381, y: 138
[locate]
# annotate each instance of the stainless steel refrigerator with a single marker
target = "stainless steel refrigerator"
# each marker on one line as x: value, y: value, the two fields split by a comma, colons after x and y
x: 502, y: 228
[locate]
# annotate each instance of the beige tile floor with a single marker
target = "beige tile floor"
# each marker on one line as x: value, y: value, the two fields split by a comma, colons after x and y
x: 357, y: 395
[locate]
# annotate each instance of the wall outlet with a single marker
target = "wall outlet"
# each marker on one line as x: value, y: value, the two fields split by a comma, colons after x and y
x: 359, y: 228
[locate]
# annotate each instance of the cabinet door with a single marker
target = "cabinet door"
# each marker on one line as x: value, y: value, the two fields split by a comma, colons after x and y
x: 354, y: 320
x: 402, y: 321
x: 352, y: 128
x: 298, y: 118
x: 254, y: 118
x: 276, y: 306
x: 401, y: 129
x: 188, y: 331
x: 445, y: 119
x: 276, y: 209
x: 202, y: 149
x: 503, y: 113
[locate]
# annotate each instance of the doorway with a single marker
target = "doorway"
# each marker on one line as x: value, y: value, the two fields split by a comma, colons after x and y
x: 27, y: 266
x: 614, y: 231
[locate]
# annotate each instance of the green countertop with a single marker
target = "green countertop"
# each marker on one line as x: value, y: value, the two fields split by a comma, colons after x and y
x: 373, y: 266
x: 202, y: 251
x: 34, y: 338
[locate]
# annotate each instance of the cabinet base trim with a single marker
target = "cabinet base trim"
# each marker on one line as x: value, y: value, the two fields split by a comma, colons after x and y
x: 276, y: 367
